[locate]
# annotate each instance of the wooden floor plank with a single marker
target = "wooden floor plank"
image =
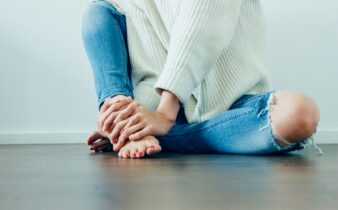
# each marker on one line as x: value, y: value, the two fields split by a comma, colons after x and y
x: 70, y: 177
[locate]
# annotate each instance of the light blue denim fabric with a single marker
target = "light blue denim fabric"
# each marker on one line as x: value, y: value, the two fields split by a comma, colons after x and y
x: 104, y: 36
x: 243, y: 129
x: 240, y: 130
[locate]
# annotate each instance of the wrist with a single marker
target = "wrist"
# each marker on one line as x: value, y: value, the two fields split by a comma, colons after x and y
x: 169, y: 105
x: 112, y: 99
x: 117, y: 97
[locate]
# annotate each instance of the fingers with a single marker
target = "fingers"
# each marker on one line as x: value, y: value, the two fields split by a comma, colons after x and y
x: 93, y: 137
x: 131, y: 108
x: 135, y: 119
x: 123, y: 125
x: 108, y: 123
x: 125, y: 134
x: 131, y: 130
x: 116, y: 117
x: 142, y: 133
x: 114, y: 147
x: 113, y: 108
x: 116, y: 131
x: 109, y: 101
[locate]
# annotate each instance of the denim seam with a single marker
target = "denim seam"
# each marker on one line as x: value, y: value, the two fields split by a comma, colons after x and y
x: 118, y: 15
x: 215, y: 124
x: 104, y: 4
x: 121, y: 18
x: 123, y: 50
x: 242, y: 102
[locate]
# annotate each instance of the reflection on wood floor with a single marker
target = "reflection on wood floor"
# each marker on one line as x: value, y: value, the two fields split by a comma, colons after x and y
x: 70, y: 177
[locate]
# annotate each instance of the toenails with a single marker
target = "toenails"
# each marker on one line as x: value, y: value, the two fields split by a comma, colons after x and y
x: 126, y: 155
x: 138, y: 149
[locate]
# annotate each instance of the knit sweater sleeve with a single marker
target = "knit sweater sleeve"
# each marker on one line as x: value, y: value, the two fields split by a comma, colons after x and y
x: 202, y: 31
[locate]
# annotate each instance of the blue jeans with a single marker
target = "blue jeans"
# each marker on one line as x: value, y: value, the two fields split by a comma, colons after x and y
x: 104, y: 35
x: 243, y: 129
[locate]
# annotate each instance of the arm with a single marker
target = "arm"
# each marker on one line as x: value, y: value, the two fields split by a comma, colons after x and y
x: 118, y: 105
x: 202, y: 31
x: 145, y: 123
x: 191, y: 55
x: 169, y: 106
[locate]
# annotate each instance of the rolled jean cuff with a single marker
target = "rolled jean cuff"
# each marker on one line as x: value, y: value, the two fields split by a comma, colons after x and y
x: 111, y: 94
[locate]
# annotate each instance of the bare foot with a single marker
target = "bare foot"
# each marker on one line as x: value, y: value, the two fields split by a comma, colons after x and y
x: 99, y: 143
x: 148, y: 145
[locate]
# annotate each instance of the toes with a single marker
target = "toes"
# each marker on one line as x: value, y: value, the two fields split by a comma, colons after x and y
x: 93, y: 137
x: 120, y: 154
x: 133, y: 152
x: 99, y: 146
x: 141, y: 151
x: 125, y: 154
x: 153, y: 149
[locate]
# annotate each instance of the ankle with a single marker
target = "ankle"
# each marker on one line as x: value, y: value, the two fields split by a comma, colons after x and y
x: 117, y: 97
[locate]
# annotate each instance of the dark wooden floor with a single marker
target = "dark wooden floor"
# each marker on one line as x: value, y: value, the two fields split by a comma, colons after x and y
x: 59, y: 177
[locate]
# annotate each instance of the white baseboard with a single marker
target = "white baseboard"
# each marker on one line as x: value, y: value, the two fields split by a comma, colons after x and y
x: 326, y: 136
x: 321, y: 137
x: 44, y: 138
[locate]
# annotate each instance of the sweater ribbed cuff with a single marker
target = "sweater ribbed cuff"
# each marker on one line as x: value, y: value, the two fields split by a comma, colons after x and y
x: 176, y: 82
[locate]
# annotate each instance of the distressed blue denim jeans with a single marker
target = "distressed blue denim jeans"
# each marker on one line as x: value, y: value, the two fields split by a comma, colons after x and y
x: 243, y: 129
x: 104, y: 34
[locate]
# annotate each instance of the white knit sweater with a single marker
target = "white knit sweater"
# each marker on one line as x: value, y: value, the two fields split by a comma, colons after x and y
x: 207, y: 52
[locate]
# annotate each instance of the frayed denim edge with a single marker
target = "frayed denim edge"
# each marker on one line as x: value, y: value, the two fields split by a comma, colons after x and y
x: 297, y: 146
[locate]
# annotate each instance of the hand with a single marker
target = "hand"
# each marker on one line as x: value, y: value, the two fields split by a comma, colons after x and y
x: 121, y: 107
x: 139, y: 125
x: 99, y: 140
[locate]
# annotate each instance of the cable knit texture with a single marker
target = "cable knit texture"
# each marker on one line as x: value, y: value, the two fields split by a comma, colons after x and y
x: 207, y: 52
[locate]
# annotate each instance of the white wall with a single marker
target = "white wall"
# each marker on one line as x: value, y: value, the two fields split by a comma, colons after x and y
x: 46, y: 83
x: 302, y: 41
x: 45, y: 79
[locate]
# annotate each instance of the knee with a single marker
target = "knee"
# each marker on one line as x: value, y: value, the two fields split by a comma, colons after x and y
x: 95, y: 17
x: 294, y: 115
